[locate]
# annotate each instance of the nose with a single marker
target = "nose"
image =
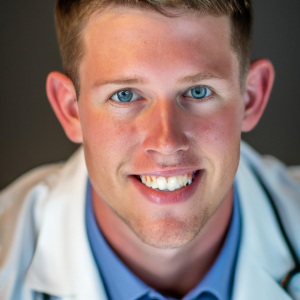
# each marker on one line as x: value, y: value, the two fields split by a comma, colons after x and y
x: 165, y: 134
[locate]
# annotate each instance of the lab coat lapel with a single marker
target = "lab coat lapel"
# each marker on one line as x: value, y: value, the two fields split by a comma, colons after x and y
x: 254, y: 282
x: 63, y: 264
x: 263, y: 257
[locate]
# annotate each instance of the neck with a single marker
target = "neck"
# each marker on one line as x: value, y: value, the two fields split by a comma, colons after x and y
x: 172, y: 272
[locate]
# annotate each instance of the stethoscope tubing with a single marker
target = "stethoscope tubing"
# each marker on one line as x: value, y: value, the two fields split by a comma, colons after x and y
x: 288, y: 277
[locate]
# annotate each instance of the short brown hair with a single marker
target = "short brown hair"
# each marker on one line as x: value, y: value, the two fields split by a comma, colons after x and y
x: 72, y: 16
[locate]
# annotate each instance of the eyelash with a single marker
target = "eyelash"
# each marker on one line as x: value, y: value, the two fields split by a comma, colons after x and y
x: 207, y: 98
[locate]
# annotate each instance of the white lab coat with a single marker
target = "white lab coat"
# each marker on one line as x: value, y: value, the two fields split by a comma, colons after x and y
x: 44, y: 245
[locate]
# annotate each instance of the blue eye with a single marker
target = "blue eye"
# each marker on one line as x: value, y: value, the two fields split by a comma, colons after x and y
x: 199, y: 92
x: 125, y: 96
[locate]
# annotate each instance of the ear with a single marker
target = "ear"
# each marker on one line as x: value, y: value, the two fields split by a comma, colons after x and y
x: 258, y: 88
x: 62, y: 96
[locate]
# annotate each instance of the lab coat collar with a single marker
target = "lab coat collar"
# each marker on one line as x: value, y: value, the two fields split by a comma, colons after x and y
x: 263, y: 258
x: 63, y: 264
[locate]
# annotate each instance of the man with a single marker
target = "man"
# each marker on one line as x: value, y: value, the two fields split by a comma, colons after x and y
x: 159, y: 203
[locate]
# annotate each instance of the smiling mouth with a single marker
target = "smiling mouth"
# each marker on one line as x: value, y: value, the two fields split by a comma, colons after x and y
x: 167, y: 184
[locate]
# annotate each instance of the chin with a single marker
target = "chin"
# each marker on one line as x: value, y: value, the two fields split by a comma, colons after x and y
x: 169, y: 233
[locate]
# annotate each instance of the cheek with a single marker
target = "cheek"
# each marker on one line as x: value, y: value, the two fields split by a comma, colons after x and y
x: 108, y: 141
x: 218, y: 137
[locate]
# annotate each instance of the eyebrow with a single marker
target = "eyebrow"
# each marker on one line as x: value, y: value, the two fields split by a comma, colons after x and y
x: 139, y: 80
x: 198, y: 77
x: 125, y: 80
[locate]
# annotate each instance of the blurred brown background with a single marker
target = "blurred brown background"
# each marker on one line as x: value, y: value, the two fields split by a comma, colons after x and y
x: 30, y: 135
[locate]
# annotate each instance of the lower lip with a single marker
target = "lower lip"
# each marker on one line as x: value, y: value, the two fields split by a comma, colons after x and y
x: 164, y: 198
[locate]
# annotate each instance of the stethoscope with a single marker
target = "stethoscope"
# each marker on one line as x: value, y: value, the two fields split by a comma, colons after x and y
x: 288, y: 277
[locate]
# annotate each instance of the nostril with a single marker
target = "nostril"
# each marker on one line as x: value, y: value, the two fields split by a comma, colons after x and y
x: 171, y: 144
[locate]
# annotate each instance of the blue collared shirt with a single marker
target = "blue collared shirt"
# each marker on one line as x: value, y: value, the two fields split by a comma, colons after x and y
x: 122, y: 284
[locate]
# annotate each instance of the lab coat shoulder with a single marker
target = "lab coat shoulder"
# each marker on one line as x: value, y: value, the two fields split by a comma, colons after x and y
x: 294, y: 173
x: 44, y: 245
x: 264, y: 257
x: 19, y: 226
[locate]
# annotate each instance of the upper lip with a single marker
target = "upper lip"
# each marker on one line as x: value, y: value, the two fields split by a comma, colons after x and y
x: 168, y: 173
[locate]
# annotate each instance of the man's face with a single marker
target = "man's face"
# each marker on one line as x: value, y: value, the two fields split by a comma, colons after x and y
x: 181, y: 113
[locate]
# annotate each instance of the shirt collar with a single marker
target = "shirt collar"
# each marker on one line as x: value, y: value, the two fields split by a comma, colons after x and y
x: 122, y: 284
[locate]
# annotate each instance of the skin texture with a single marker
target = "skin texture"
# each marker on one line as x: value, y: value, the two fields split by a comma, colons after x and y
x: 170, y: 247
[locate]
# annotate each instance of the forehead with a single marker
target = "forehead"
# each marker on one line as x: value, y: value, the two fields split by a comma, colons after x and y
x: 132, y: 41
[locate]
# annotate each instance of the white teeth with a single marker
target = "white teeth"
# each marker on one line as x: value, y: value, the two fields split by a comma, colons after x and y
x: 154, y: 183
x: 162, y: 183
x: 173, y: 183
x: 180, y: 180
x: 185, y: 179
x: 170, y: 183
x: 143, y: 178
